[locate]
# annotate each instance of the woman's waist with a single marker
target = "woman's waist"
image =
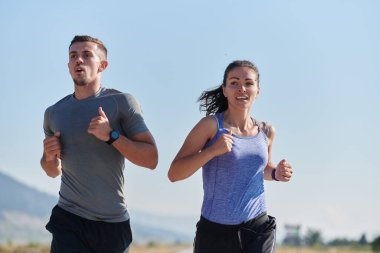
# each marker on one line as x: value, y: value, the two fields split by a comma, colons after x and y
x: 205, y: 224
x: 232, y: 211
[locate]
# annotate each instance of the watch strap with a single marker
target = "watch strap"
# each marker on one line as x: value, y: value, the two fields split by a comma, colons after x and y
x: 114, y: 135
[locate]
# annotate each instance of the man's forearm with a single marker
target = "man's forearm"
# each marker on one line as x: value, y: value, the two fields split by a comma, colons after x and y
x: 138, y: 152
x: 52, y: 168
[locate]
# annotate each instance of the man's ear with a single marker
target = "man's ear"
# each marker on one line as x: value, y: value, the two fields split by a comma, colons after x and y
x: 103, y: 65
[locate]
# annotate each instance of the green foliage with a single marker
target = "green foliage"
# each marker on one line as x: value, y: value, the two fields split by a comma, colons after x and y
x: 376, y: 244
x: 313, y: 238
x: 343, y: 242
x: 339, y: 242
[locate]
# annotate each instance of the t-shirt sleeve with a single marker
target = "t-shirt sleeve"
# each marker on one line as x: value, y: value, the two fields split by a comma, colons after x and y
x: 47, y: 128
x: 132, y: 120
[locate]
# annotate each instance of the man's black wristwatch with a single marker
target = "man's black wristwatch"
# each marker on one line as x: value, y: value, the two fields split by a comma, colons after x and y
x: 114, y: 135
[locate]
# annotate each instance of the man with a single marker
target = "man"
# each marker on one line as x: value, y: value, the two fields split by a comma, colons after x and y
x: 88, y: 135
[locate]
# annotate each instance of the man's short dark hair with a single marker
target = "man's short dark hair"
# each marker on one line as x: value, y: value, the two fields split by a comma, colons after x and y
x: 85, y: 38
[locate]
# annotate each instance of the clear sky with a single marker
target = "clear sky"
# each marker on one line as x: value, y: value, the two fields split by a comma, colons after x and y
x: 319, y: 65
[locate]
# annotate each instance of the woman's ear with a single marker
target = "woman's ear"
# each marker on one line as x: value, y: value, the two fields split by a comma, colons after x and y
x: 258, y: 91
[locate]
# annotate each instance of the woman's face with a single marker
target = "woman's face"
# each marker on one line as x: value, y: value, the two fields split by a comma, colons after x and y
x: 241, y: 88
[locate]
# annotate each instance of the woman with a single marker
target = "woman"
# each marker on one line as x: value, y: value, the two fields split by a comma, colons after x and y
x: 235, y: 153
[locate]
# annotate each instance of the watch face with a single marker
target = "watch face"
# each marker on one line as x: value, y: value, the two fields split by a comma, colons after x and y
x: 115, y: 134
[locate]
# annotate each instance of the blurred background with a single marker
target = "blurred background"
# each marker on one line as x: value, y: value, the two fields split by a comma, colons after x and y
x: 318, y: 62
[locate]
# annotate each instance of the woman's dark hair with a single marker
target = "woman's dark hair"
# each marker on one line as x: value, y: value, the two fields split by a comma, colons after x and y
x: 213, y: 101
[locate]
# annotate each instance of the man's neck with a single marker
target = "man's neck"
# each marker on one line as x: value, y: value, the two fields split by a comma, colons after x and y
x: 86, y: 91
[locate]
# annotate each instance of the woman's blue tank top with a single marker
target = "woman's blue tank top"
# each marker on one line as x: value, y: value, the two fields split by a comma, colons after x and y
x: 233, y: 183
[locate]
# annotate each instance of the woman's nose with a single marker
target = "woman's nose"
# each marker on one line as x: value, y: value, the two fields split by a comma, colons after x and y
x: 241, y: 87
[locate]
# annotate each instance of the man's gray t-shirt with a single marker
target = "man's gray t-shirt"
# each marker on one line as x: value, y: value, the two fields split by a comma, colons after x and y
x: 92, y: 181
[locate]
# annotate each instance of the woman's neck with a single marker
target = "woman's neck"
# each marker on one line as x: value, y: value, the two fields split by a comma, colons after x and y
x: 241, y: 121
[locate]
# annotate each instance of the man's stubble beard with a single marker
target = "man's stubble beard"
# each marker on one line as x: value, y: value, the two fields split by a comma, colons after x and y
x: 80, y: 83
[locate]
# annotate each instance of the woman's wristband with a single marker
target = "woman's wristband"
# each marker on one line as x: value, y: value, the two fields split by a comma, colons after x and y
x: 274, y: 175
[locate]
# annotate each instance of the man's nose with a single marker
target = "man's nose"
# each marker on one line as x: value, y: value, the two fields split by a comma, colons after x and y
x: 79, y: 60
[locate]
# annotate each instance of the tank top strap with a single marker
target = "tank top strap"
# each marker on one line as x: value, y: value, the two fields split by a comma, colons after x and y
x: 262, y: 126
x: 220, y: 119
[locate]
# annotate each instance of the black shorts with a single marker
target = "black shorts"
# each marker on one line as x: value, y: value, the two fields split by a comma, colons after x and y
x: 74, y: 234
x: 255, y: 236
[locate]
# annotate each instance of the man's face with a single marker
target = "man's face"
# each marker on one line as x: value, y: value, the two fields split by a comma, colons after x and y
x: 85, y: 63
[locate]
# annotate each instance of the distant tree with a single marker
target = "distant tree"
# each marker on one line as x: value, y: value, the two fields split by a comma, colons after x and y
x: 346, y: 242
x: 376, y: 244
x: 363, y: 240
x: 339, y: 242
x: 313, y: 238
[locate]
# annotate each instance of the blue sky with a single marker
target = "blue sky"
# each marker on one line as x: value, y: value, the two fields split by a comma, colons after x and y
x: 319, y: 87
